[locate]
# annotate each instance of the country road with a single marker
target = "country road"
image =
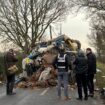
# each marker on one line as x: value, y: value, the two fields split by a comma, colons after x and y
x: 46, y: 96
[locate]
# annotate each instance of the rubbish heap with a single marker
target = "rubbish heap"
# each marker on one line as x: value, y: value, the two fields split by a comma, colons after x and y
x: 45, y: 76
x: 43, y: 56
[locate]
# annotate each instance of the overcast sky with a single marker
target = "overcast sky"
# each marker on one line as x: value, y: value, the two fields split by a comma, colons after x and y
x: 77, y: 27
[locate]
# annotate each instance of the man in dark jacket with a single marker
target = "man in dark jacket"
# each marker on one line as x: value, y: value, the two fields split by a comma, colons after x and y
x: 61, y: 64
x: 10, y: 60
x: 81, y: 68
x: 91, y: 70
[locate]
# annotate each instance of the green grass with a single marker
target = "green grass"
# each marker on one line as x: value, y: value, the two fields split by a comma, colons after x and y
x: 100, y: 80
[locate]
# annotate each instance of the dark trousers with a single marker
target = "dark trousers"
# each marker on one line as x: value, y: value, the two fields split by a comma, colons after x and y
x: 29, y: 70
x: 81, y: 80
x: 10, y: 83
x: 91, y: 83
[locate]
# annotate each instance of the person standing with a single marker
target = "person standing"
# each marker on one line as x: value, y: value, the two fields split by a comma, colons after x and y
x: 81, y: 68
x: 61, y: 65
x: 10, y: 60
x: 91, y: 70
x: 28, y: 66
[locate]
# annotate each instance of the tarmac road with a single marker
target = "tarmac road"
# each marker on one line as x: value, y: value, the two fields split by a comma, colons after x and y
x: 46, y: 96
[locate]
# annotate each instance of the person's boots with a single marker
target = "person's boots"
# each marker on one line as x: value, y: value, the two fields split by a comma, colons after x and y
x: 79, y: 98
x: 67, y: 98
x: 13, y: 93
x: 86, y: 97
x: 91, y: 95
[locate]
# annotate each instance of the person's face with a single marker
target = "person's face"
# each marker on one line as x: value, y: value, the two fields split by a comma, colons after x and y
x: 88, y: 51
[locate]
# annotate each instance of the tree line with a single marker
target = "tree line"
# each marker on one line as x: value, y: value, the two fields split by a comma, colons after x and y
x: 95, y: 10
x: 24, y: 22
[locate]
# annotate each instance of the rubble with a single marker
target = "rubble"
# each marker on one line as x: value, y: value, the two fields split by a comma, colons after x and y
x: 42, y: 78
x: 49, y: 57
x: 43, y: 57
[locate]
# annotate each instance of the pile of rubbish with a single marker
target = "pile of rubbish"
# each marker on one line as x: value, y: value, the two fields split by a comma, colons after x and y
x: 41, y: 61
x: 44, y: 76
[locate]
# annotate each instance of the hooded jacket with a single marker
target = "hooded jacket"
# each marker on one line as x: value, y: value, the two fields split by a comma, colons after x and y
x: 81, y: 64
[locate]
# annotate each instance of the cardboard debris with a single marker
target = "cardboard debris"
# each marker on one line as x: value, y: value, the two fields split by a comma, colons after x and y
x: 49, y: 58
x: 42, y: 78
x: 45, y: 74
x: 45, y: 77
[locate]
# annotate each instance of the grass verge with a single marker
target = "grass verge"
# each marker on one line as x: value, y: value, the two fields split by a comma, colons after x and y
x: 99, y: 76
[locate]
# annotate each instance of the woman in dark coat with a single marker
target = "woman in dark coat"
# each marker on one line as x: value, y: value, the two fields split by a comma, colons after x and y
x: 10, y: 60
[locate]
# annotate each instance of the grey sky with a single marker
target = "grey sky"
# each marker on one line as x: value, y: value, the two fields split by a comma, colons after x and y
x: 77, y: 27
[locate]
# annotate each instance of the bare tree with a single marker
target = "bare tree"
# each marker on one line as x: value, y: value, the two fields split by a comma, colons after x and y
x: 92, y: 5
x: 24, y: 21
x: 97, y: 36
x: 95, y: 10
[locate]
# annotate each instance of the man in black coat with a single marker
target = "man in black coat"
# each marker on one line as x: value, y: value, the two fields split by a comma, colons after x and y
x: 91, y: 70
x: 81, y: 67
